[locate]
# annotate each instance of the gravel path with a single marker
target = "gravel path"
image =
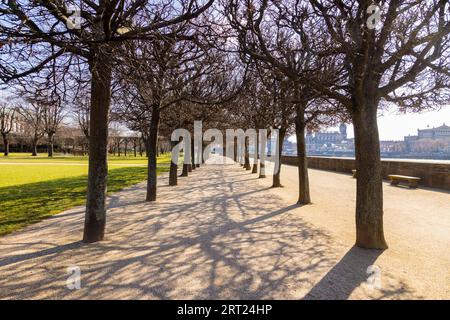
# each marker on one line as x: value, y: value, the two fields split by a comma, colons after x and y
x: 222, y: 233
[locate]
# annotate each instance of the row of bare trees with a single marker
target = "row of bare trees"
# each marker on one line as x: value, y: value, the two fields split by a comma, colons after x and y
x: 37, y: 118
x: 361, y: 64
x: 289, y: 65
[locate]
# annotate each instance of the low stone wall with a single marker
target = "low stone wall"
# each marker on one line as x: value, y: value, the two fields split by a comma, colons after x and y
x: 433, y: 174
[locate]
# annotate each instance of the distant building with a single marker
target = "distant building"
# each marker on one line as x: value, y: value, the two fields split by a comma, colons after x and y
x: 330, y: 142
x: 289, y: 147
x: 430, y: 140
x: 328, y: 138
x: 392, y: 146
x: 442, y: 132
x: 429, y: 143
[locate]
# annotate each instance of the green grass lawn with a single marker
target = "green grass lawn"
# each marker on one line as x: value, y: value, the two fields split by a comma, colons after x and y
x: 42, y: 157
x: 30, y: 192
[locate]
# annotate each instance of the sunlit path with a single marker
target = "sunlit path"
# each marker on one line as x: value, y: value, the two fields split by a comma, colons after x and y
x: 223, y: 233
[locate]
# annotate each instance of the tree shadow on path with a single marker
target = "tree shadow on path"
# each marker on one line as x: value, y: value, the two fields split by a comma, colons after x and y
x: 347, y: 275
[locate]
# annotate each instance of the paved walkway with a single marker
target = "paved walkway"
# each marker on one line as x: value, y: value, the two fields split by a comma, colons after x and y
x: 222, y: 233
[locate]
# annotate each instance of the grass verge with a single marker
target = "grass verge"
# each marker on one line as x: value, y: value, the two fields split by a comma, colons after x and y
x: 38, y: 192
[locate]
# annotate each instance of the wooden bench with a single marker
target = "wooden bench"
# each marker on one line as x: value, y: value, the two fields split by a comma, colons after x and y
x: 396, y: 179
x: 354, y: 173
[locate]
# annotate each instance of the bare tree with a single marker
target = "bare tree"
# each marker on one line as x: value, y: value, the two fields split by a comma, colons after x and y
x: 39, y: 32
x: 403, y: 61
x: 273, y: 36
x: 32, y: 113
x: 81, y: 110
x: 168, y: 67
x: 7, y: 117
x: 52, y: 117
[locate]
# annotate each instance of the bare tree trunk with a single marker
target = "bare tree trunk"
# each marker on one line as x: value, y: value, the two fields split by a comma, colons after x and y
x: 6, y: 144
x: 193, y: 166
x: 140, y: 149
x: 255, y: 164
x: 95, y: 219
x: 262, y: 169
x: 50, y: 145
x: 173, y: 180
x: 152, y: 148
x: 246, y: 155
x: 200, y: 154
x: 145, y: 146
x: 262, y: 159
x: 126, y: 147
x: 240, y: 157
x: 369, y: 194
x: 34, y: 152
x: 185, y: 171
x: 276, y: 183
x: 235, y: 150
x: 303, y: 179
